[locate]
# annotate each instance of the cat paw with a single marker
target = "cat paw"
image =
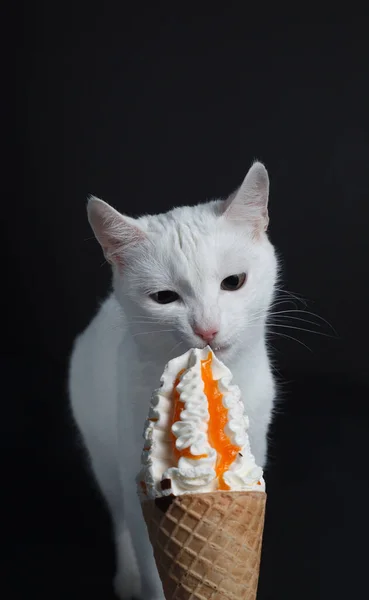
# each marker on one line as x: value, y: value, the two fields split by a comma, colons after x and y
x: 127, y: 590
x: 129, y: 587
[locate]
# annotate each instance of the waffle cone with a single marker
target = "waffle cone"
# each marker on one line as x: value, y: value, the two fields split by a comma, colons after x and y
x: 207, y: 546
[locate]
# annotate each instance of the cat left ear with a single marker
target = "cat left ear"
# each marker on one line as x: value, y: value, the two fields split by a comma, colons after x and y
x: 250, y: 201
x: 114, y: 232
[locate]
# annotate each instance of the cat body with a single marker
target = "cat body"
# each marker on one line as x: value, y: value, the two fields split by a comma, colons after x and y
x: 191, y: 277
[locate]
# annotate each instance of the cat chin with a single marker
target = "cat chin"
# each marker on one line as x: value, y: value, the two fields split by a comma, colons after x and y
x: 224, y: 353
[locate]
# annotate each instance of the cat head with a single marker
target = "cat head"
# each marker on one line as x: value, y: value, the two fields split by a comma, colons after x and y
x: 197, y: 275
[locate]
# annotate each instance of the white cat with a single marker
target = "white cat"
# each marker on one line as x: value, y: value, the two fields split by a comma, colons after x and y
x: 193, y: 276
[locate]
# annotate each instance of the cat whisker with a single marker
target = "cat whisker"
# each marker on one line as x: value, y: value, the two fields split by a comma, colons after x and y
x: 305, y: 312
x: 293, y: 295
x: 144, y: 322
x: 281, y: 301
x: 289, y: 337
x: 285, y: 302
x: 146, y: 318
x: 287, y: 314
x: 166, y: 322
x: 300, y: 329
x: 254, y: 323
x: 278, y: 316
x: 154, y: 331
x: 175, y: 347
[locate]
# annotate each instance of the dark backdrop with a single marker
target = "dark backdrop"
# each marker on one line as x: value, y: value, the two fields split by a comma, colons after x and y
x: 148, y: 110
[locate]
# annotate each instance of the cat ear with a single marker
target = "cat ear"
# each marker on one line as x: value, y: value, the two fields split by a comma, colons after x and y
x: 250, y: 201
x: 113, y: 231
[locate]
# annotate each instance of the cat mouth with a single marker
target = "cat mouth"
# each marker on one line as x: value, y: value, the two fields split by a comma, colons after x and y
x: 217, y: 348
x: 220, y: 348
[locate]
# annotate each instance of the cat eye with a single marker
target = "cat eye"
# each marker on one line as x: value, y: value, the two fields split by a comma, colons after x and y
x: 233, y: 282
x: 164, y: 297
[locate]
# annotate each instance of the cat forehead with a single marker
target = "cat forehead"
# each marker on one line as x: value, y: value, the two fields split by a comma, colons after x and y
x: 189, y: 239
x: 199, y: 219
x: 194, y: 224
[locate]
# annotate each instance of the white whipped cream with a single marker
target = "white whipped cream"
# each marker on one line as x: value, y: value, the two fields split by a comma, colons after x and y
x: 191, y: 432
x: 162, y: 472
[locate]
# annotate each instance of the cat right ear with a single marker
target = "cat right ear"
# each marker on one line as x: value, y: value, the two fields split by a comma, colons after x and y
x: 112, y: 230
x: 250, y: 202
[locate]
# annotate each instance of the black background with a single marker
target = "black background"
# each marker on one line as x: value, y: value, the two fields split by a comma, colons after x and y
x: 147, y: 110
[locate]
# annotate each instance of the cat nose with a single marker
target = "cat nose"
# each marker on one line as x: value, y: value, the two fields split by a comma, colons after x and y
x: 206, y: 334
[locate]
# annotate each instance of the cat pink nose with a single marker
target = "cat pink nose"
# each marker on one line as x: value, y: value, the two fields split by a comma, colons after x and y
x: 206, y: 334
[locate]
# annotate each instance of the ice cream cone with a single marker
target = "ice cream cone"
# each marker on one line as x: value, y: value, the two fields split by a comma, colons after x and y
x: 207, y: 546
